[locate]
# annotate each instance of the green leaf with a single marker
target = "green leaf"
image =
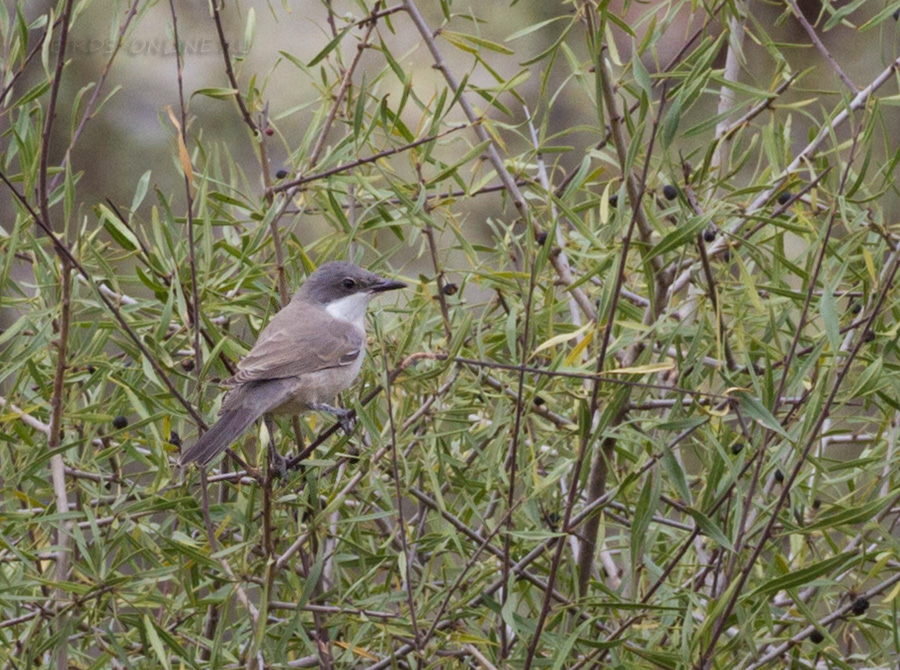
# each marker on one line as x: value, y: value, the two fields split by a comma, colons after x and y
x: 798, y: 577
x: 710, y: 529
x: 838, y: 516
x: 121, y: 233
x: 641, y: 76
x: 753, y: 408
x: 216, y: 93
x: 140, y: 191
x: 828, y: 309
x: 463, y: 41
x: 870, y: 381
x: 676, y: 474
x: 155, y: 643
x: 329, y: 47
x: 683, y: 234
x: 643, y: 515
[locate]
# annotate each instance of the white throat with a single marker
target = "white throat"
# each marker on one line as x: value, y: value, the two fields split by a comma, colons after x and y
x: 351, y: 308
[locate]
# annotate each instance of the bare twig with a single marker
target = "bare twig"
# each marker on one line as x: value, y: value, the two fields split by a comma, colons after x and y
x: 189, y: 199
x: 823, y: 51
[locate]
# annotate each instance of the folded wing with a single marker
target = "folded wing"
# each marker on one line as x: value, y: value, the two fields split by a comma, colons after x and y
x: 294, y: 344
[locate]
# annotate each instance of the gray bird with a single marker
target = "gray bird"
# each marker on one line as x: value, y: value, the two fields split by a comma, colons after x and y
x: 311, y: 350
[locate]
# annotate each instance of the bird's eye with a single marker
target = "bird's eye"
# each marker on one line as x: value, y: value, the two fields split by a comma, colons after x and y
x: 349, y: 283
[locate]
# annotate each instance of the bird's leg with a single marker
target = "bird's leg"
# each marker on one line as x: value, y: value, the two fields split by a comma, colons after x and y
x: 276, y: 461
x: 345, y: 416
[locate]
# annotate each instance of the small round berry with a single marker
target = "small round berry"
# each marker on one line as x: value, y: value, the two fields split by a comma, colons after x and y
x: 175, y: 439
x: 783, y: 197
x: 860, y: 605
x: 450, y: 289
x: 540, y: 237
x: 187, y: 364
x: 281, y: 174
x: 709, y: 235
x: 817, y: 503
x: 816, y: 637
x: 726, y: 256
x: 91, y: 369
x: 538, y: 400
x: 119, y: 422
x: 737, y: 448
x: 670, y: 192
x: 779, y: 476
x: 869, y: 336
x: 855, y: 308
x: 613, y: 200
x: 270, y: 132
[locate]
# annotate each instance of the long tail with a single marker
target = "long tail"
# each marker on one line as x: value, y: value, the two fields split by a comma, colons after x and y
x: 244, y: 405
x: 229, y: 427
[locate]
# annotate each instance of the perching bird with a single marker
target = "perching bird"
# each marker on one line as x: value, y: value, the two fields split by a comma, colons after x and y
x: 311, y: 350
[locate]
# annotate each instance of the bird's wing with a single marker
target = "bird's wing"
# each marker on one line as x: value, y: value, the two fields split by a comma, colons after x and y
x: 299, y: 343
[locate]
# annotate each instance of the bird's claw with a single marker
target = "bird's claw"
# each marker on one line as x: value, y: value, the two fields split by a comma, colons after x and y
x: 348, y: 422
x: 277, y: 464
x: 345, y: 416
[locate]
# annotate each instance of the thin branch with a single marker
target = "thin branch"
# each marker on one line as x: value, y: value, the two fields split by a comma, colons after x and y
x: 189, y: 199
x: 823, y: 51
x: 57, y: 466
x: 401, y: 524
x: 346, y: 167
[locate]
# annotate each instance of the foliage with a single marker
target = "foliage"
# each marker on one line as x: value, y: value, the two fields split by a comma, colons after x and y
x: 638, y: 406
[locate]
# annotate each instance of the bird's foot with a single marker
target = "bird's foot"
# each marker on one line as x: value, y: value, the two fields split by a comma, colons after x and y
x: 345, y: 416
x: 277, y: 464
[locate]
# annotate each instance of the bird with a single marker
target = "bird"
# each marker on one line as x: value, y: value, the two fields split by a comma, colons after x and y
x: 310, y: 351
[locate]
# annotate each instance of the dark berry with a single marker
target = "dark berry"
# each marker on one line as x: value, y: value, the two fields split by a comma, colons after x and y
x: 175, y: 439
x: 869, y: 336
x: 613, y: 200
x: 726, y: 256
x: 120, y: 422
x: 856, y: 308
x: 540, y: 237
x: 737, y: 448
x: 816, y: 637
x: 779, y: 476
x: 538, y: 400
x: 783, y: 197
x: 270, y: 132
x: 670, y: 192
x: 91, y: 369
x: 860, y: 605
x: 709, y: 235
x: 896, y: 15
x: 281, y: 174
x: 817, y: 503
x: 451, y: 289
x: 187, y: 364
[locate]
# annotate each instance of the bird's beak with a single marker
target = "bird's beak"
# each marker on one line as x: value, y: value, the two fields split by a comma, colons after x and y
x: 387, y: 285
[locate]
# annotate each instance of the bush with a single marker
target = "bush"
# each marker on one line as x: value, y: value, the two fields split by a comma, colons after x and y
x: 638, y: 405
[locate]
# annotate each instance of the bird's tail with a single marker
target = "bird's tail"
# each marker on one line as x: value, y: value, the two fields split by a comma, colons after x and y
x: 243, y: 406
x: 231, y: 424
